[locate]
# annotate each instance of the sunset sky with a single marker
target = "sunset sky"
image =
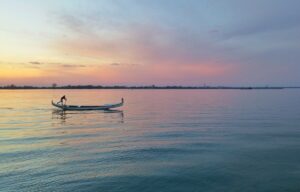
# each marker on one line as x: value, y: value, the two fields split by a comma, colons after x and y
x: 145, y: 42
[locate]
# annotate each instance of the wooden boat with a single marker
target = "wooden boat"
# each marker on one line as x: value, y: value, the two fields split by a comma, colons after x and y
x: 82, y: 108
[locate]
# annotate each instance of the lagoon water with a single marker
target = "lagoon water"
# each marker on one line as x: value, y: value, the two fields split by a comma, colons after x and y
x: 161, y: 140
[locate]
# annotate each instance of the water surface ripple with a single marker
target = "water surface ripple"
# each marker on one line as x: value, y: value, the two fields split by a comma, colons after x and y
x: 161, y: 140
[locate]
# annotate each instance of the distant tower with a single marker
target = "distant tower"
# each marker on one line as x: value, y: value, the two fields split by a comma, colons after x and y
x: 54, y: 85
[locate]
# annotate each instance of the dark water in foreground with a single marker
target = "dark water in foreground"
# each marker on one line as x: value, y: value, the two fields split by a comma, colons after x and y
x: 161, y: 140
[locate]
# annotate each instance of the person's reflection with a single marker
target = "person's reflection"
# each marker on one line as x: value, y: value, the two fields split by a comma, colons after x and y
x: 60, y: 115
x: 116, y: 116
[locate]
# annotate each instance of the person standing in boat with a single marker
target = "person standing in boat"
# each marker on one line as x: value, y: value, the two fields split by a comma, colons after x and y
x: 62, y: 99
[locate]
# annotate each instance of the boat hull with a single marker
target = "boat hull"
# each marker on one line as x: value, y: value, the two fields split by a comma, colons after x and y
x: 85, y: 108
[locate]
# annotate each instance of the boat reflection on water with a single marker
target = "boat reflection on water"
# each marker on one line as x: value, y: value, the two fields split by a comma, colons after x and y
x: 87, y: 117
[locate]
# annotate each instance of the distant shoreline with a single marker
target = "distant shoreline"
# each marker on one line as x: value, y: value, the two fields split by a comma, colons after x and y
x: 12, y: 87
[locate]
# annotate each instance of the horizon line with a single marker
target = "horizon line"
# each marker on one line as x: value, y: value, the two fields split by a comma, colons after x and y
x: 54, y: 86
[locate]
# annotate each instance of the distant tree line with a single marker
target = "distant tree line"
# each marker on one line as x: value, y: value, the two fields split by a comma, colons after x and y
x: 54, y: 86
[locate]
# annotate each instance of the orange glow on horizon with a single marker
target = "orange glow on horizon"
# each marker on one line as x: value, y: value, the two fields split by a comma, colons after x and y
x: 119, y: 74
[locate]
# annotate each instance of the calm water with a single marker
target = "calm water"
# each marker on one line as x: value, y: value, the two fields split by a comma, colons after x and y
x: 161, y: 140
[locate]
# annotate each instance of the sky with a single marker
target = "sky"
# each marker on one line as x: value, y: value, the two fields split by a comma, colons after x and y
x: 145, y: 42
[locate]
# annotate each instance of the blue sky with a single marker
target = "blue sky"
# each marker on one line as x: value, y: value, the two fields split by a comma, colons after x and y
x: 139, y: 42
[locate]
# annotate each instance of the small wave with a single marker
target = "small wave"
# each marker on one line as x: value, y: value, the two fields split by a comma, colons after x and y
x: 8, y: 108
x: 40, y: 109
